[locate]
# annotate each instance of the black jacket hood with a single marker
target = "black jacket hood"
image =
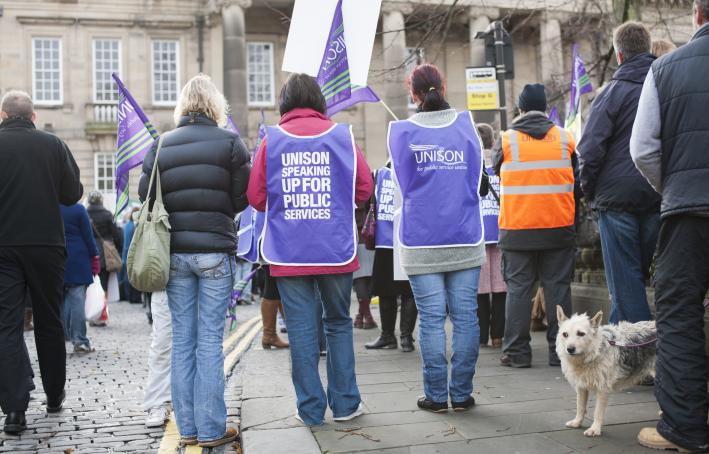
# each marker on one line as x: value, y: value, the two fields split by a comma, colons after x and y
x: 535, y: 124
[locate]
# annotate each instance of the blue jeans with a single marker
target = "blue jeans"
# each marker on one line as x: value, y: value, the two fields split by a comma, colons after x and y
x: 198, y: 293
x: 243, y: 268
x: 74, y: 315
x: 456, y: 291
x: 308, y: 300
x: 628, y: 242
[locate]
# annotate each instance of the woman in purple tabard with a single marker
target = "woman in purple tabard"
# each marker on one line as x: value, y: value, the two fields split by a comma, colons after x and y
x: 307, y: 176
x: 492, y: 291
x: 438, y: 166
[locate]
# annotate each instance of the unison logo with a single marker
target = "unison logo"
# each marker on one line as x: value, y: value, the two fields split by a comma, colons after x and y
x: 436, y: 153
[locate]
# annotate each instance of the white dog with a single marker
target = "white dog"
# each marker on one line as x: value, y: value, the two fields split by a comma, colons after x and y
x: 602, y: 359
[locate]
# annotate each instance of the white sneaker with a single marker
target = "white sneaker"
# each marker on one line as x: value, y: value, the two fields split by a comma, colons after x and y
x: 158, y: 416
x: 359, y: 411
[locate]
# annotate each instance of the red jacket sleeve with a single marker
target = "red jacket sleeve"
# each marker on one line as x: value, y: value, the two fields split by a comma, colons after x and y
x: 364, y: 185
x: 256, y: 193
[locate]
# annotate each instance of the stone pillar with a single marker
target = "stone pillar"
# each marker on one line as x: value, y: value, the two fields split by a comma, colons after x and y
x: 235, y: 77
x: 394, y: 47
x: 552, y: 54
x: 477, y: 23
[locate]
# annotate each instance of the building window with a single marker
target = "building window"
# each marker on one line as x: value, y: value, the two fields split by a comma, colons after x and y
x: 166, y: 70
x: 260, y: 70
x: 107, y: 60
x: 47, y: 71
x: 105, y: 172
x: 414, y: 57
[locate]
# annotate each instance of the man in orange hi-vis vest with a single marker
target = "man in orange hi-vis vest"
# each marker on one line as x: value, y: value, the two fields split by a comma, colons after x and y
x: 535, y: 160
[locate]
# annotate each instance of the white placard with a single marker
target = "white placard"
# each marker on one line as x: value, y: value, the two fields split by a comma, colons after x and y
x: 310, y: 26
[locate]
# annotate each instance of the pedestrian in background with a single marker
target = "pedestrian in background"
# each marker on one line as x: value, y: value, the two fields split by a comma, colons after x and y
x: 158, y: 400
x: 197, y: 158
x: 362, y: 278
x: 82, y: 264
x: 437, y: 161
x: 270, y: 305
x: 537, y: 233
x: 131, y: 293
x: 628, y: 208
x: 109, y: 239
x: 492, y: 291
x: 310, y: 245
x: 661, y: 47
x: 384, y: 286
x: 669, y: 146
x: 37, y: 173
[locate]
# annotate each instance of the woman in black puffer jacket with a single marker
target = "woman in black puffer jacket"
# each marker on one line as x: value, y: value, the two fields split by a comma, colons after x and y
x: 204, y: 172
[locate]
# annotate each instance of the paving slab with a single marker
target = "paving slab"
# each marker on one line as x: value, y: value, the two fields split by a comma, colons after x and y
x: 518, y: 410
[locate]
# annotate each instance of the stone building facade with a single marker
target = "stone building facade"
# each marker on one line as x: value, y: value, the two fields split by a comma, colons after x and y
x: 63, y: 52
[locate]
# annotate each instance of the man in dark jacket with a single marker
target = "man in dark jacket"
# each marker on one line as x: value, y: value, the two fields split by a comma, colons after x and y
x: 37, y: 173
x: 537, y: 233
x: 628, y: 208
x: 670, y: 147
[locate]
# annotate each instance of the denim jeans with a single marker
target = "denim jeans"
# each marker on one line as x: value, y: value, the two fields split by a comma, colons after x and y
x: 628, y: 242
x: 456, y: 291
x: 157, y: 390
x: 198, y: 293
x: 308, y: 300
x: 74, y: 315
x: 242, y: 269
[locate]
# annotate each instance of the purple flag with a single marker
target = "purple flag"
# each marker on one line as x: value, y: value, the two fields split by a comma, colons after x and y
x: 580, y: 85
x: 334, y: 74
x: 554, y: 116
x: 135, y: 138
x: 231, y: 126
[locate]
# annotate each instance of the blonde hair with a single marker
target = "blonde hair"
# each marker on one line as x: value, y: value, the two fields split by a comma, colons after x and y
x: 201, y: 95
x: 661, y: 47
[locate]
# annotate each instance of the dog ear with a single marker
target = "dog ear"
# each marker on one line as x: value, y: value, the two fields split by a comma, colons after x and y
x: 597, y: 319
x: 560, y: 316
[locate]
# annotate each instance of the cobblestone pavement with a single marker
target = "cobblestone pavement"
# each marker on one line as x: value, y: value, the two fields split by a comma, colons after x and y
x: 103, y: 410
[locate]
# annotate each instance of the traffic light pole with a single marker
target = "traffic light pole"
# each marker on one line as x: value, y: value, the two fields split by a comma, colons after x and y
x: 501, y: 70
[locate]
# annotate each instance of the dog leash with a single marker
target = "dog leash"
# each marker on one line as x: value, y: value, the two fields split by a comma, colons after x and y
x: 645, y: 343
x: 638, y: 345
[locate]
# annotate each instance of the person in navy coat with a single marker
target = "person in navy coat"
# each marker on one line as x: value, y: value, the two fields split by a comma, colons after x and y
x: 82, y: 264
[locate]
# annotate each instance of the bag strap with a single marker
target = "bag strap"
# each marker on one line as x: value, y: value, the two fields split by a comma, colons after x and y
x: 158, y: 190
x: 96, y: 232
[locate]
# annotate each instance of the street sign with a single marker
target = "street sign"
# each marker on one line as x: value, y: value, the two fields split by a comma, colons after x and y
x: 482, y: 88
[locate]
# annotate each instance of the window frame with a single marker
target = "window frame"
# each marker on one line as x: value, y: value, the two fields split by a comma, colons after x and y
x: 112, y: 180
x: 178, y: 65
x: 120, y: 65
x: 35, y: 98
x: 272, y: 75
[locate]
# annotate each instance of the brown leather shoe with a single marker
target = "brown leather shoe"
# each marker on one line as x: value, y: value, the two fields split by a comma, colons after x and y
x: 358, y: 322
x: 232, y: 434
x: 496, y: 342
x: 650, y: 438
x: 188, y: 441
x: 269, y: 309
x: 368, y: 322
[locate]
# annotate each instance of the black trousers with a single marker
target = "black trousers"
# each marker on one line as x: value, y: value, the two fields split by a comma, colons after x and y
x: 491, y: 316
x: 388, y: 308
x: 40, y: 270
x: 681, y: 282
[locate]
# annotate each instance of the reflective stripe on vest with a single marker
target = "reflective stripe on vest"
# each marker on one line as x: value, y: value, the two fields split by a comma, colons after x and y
x: 537, y: 181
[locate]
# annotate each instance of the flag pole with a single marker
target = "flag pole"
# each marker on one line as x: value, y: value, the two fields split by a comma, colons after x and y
x: 388, y: 110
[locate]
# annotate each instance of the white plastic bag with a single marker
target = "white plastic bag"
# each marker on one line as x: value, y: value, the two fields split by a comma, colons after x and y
x: 114, y: 294
x: 94, y: 301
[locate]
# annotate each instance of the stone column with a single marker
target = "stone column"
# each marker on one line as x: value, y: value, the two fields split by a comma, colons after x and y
x: 552, y: 54
x: 477, y: 23
x: 394, y: 47
x: 235, y: 77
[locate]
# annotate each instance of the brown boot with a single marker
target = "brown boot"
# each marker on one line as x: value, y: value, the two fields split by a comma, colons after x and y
x: 270, y: 338
x: 28, y: 319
